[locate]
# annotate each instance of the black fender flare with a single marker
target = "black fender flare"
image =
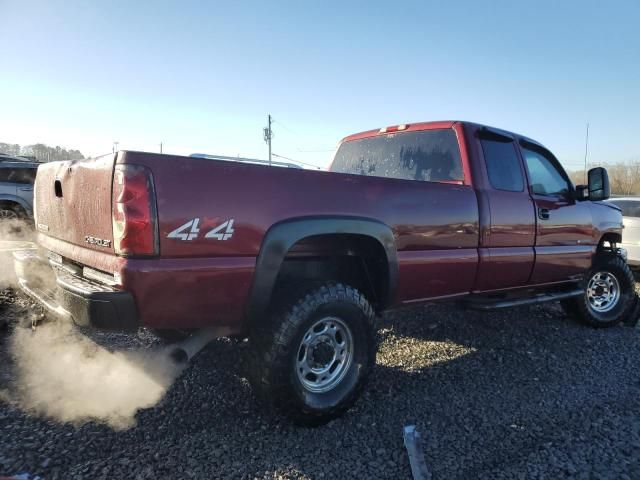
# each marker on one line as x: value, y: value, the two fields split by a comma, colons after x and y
x: 282, y: 236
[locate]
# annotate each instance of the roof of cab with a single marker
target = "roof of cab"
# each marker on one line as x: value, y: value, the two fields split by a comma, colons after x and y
x: 408, y: 127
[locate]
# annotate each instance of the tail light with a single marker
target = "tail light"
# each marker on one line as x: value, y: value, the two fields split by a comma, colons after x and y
x: 135, y: 218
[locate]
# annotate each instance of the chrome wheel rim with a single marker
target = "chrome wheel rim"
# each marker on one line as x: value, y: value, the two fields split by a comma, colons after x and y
x: 603, y: 292
x: 8, y: 215
x: 324, y: 355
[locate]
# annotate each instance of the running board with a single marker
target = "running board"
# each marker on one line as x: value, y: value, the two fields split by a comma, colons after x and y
x: 485, y: 303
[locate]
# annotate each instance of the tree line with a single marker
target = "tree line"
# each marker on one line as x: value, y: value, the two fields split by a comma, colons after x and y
x: 624, y: 177
x: 40, y: 152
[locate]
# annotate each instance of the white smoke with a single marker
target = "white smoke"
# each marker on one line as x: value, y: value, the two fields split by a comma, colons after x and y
x: 15, y: 234
x: 62, y: 374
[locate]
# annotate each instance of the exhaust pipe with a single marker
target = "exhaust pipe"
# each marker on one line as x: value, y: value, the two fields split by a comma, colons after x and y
x: 182, y: 352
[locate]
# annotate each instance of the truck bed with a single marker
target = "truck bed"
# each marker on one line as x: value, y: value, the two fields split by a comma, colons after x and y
x: 434, y: 224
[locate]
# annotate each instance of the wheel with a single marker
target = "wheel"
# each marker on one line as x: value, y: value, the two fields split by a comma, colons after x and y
x: 312, y: 361
x: 8, y: 213
x: 170, y: 336
x: 609, y: 293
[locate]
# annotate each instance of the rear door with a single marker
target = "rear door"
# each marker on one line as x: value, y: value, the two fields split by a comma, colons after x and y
x: 25, y: 177
x: 506, y: 251
x: 7, y: 185
x: 564, y: 230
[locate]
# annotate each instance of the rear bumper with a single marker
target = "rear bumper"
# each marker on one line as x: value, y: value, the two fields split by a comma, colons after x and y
x: 68, y: 296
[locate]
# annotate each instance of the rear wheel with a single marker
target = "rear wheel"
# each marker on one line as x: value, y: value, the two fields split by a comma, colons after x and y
x: 609, y: 293
x: 311, y: 361
x: 7, y: 213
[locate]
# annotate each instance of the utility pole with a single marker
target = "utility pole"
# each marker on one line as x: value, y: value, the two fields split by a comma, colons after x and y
x: 268, y: 135
x: 160, y: 147
x: 115, y: 147
x: 586, y: 150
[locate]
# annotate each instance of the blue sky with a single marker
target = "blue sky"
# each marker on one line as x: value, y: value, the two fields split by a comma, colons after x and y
x: 202, y: 76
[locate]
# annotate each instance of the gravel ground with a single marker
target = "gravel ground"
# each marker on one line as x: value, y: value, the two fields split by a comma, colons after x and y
x: 524, y: 393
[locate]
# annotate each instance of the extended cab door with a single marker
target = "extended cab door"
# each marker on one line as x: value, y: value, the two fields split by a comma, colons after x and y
x: 24, y: 185
x: 564, y: 228
x: 7, y: 185
x: 507, y: 214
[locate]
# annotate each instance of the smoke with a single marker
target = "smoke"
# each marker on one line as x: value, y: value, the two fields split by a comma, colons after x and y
x: 62, y: 374
x: 15, y: 234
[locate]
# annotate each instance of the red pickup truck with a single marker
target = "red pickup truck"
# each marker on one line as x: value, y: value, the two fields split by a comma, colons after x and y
x: 302, y: 261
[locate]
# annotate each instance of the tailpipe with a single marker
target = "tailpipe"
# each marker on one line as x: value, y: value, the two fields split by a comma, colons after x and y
x: 183, y: 352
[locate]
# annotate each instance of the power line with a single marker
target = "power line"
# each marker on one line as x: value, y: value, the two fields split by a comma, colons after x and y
x: 317, y: 151
x: 297, y: 161
x: 285, y: 127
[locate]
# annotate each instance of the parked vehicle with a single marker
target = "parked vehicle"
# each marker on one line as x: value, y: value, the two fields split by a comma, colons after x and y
x: 630, y: 207
x: 301, y: 261
x: 16, y: 187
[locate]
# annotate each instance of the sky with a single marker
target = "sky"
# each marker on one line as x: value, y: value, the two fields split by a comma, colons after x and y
x: 203, y: 76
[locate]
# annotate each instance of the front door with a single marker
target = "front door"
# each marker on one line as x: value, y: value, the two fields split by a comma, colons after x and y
x: 564, y: 230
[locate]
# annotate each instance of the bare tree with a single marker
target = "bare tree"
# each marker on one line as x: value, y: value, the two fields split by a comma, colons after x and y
x: 623, y: 176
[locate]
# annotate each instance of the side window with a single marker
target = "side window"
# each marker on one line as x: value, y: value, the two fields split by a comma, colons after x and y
x: 25, y: 175
x: 545, y: 178
x: 503, y: 164
x: 5, y: 174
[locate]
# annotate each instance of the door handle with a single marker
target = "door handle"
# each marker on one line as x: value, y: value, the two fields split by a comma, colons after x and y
x: 543, y: 213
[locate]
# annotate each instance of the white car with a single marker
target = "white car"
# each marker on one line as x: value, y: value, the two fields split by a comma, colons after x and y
x: 630, y: 207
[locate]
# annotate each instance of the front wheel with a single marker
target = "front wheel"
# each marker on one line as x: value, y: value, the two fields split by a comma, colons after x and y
x: 609, y: 293
x: 311, y: 361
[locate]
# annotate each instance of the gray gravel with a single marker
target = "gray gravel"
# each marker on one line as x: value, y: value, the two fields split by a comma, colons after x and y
x: 524, y: 393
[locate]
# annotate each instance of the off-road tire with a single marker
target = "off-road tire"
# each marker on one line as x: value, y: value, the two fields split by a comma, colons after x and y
x: 580, y: 307
x: 275, y: 349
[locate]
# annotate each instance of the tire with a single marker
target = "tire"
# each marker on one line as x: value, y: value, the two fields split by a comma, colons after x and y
x: 610, y: 278
x: 8, y: 213
x: 170, y: 336
x: 329, y: 330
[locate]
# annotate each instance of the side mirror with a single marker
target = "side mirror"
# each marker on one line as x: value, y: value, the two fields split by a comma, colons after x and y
x: 599, y: 188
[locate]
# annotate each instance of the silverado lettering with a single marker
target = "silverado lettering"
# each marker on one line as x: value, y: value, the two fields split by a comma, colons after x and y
x: 97, y: 241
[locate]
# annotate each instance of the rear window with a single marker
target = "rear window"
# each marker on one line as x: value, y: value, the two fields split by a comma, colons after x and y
x: 426, y: 155
x: 630, y: 208
x: 503, y: 164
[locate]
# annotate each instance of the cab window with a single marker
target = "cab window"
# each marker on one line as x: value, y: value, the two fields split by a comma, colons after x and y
x: 544, y: 176
x: 503, y: 165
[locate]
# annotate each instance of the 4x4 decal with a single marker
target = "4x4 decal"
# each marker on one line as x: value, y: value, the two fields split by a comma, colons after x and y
x: 191, y: 231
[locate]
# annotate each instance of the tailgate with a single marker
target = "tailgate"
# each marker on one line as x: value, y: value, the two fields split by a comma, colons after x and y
x: 73, y: 202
